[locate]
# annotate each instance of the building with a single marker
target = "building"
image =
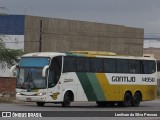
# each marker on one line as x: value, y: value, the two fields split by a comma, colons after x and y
x: 12, y: 30
x: 154, y: 51
x: 34, y: 34
x: 52, y: 34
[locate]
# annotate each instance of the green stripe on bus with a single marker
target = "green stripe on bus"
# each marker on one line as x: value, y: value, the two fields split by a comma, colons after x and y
x: 96, y: 86
x: 87, y: 87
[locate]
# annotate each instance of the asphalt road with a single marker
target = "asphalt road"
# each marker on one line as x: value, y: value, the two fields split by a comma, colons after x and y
x: 82, y: 106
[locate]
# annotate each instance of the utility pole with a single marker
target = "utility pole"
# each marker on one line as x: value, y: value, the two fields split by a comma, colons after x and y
x: 40, y: 37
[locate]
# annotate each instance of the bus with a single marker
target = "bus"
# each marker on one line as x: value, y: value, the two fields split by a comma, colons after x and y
x: 158, y: 77
x: 103, y: 77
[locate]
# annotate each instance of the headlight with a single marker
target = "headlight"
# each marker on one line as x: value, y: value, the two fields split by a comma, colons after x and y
x: 41, y: 93
x: 18, y: 93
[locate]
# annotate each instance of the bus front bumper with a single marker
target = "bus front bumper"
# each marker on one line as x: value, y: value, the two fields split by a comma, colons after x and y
x: 27, y: 98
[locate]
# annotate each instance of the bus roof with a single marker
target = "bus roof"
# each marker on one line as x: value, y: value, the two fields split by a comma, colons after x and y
x: 43, y: 54
x: 102, y: 54
x: 95, y: 53
x: 85, y: 54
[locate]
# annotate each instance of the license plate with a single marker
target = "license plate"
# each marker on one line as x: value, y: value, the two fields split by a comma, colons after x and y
x: 28, y: 99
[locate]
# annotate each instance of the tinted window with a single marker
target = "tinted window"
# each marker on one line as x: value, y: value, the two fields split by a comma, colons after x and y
x: 122, y: 66
x: 70, y: 64
x: 145, y: 67
x: 152, y: 66
x: 96, y: 65
x: 83, y: 64
x: 158, y: 66
x: 55, y: 71
x: 109, y: 65
x: 149, y: 67
x: 134, y: 66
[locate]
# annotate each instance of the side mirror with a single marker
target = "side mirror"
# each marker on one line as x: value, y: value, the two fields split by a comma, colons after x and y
x: 13, y: 70
x: 44, y: 70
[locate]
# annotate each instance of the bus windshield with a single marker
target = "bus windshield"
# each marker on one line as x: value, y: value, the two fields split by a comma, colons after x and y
x: 30, y: 73
x: 34, y: 61
x: 31, y: 78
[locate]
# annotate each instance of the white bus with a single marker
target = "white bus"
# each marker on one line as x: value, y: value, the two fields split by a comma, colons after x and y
x: 50, y: 77
x: 158, y: 77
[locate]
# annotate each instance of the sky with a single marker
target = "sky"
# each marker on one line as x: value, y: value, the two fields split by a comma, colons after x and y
x: 133, y: 13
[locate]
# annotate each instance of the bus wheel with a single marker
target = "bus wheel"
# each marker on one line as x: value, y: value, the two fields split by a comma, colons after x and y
x: 67, y: 100
x: 127, y: 100
x: 136, y: 99
x: 40, y: 104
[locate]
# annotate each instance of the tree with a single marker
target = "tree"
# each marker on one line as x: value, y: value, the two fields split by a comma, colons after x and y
x: 8, y: 57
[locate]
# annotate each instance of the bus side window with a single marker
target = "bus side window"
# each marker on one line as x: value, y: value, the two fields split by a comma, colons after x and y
x: 152, y: 66
x: 122, y: 66
x: 109, y: 65
x: 145, y: 67
x: 149, y: 67
x: 134, y: 66
x: 97, y: 65
x: 158, y: 66
x: 55, y: 71
x: 51, y: 78
x: 70, y: 64
x: 83, y: 64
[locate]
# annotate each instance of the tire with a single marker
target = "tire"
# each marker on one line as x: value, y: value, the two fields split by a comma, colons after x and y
x: 40, y: 104
x: 127, y: 100
x: 136, y: 99
x: 67, y: 100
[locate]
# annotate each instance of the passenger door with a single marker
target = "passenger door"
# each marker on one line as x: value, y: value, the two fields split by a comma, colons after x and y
x: 54, y: 79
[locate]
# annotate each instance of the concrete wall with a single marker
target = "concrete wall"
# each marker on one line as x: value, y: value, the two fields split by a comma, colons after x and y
x: 67, y: 35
